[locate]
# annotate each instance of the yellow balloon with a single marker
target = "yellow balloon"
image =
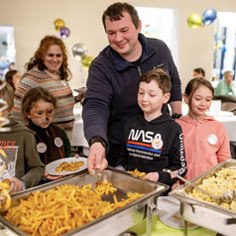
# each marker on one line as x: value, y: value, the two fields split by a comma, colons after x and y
x: 195, y: 21
x: 58, y: 24
x: 86, y: 61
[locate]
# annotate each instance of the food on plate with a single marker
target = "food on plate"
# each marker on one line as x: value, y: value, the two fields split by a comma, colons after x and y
x: 63, y: 208
x: 137, y: 173
x: 217, y: 184
x: 5, y: 199
x: 69, y: 166
x: 5, y: 184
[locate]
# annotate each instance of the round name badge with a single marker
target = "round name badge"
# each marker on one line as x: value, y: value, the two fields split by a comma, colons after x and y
x: 41, y: 147
x: 212, y: 139
x: 58, y: 142
x: 157, y: 143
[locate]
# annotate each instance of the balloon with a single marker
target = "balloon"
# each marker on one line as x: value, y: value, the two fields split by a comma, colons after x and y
x: 86, y: 61
x: 64, y: 32
x: 79, y: 50
x: 194, y: 21
x: 58, y: 24
x: 209, y: 16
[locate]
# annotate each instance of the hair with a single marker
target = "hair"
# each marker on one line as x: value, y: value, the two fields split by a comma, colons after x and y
x: 115, y: 12
x: 161, y: 78
x: 194, y: 84
x: 37, y: 59
x: 9, y: 76
x: 7, y: 94
x: 200, y: 71
x: 227, y: 72
x: 34, y: 95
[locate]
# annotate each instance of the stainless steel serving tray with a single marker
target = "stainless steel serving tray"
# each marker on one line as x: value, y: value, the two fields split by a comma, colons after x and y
x: 206, y: 214
x: 115, y: 222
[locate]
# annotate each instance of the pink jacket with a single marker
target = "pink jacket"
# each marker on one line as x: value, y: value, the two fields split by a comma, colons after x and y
x: 206, y: 144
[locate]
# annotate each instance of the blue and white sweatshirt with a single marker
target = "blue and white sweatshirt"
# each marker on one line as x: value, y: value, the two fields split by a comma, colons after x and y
x: 154, y: 146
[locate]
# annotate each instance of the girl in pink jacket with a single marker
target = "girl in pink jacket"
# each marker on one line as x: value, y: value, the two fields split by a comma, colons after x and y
x: 205, y: 139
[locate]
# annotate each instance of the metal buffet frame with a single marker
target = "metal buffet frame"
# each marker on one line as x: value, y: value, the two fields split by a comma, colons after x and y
x: 203, y: 213
x: 116, y: 222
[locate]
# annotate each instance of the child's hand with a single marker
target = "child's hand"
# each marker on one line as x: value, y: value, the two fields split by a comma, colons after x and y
x: 18, y: 185
x: 176, y: 185
x: 153, y: 176
x: 52, y: 177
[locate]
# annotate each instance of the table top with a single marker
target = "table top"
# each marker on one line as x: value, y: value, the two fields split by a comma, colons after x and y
x: 160, y: 229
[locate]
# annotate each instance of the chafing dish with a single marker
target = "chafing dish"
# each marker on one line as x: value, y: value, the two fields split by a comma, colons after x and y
x: 116, y: 222
x: 203, y: 213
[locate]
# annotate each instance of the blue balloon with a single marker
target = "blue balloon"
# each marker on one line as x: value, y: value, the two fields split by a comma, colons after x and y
x: 209, y: 16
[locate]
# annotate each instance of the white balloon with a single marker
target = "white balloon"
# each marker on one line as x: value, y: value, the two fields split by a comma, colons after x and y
x: 79, y: 50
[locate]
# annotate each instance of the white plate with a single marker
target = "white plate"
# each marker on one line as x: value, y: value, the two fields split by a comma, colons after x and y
x: 169, y: 213
x: 51, y: 167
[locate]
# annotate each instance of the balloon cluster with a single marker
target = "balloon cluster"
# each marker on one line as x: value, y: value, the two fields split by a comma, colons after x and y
x: 60, y: 26
x: 196, y: 21
x: 80, y: 53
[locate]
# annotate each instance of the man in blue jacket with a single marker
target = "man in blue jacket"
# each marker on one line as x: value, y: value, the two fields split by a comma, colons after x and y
x: 113, y: 81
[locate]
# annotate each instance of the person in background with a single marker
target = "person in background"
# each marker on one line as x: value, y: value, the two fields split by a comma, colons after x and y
x: 113, y: 81
x: 205, y: 139
x: 48, y: 68
x: 13, y: 78
x: 227, y: 86
x: 22, y: 165
x: 153, y: 141
x: 199, y: 72
x: 38, y: 109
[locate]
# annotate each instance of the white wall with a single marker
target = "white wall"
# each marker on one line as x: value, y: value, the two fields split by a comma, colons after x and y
x: 34, y: 19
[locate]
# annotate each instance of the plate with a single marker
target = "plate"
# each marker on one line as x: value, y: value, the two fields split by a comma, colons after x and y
x: 169, y: 213
x: 51, y: 167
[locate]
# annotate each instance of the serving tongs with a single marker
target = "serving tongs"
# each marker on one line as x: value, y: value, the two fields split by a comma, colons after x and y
x: 228, y: 196
x: 96, y: 177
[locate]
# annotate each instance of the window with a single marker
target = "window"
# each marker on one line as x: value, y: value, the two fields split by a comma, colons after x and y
x: 7, y: 48
x: 225, y: 44
x: 160, y: 23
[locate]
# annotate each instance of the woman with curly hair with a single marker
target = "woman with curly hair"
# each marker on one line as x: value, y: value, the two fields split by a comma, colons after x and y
x: 48, y: 68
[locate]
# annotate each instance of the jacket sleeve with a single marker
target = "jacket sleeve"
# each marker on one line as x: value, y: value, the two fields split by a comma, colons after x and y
x: 177, y: 160
x: 34, y: 167
x: 223, y: 153
x: 97, y: 102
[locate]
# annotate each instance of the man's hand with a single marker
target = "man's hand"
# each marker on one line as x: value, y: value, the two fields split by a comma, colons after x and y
x: 97, y: 158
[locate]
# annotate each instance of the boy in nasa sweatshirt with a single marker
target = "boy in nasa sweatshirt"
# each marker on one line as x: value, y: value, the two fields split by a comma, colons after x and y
x: 153, y: 142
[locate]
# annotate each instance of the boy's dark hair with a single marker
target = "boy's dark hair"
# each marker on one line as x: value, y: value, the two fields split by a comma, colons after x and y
x: 115, y: 12
x: 9, y: 77
x: 34, y: 95
x: 161, y: 78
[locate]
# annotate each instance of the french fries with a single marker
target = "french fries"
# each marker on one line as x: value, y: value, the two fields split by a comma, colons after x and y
x: 137, y: 173
x: 63, y: 208
x: 69, y: 166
